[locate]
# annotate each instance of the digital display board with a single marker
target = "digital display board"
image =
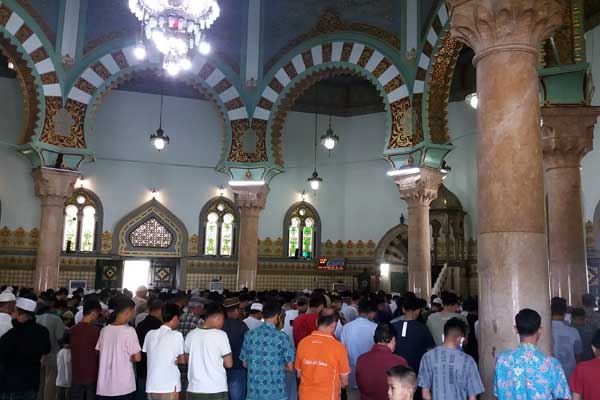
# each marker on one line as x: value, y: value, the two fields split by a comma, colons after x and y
x: 331, y: 264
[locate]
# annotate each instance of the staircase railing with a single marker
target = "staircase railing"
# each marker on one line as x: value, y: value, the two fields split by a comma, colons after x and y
x: 441, y: 281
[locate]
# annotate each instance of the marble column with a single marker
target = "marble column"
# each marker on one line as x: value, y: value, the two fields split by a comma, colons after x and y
x: 251, y: 200
x: 53, y: 187
x: 567, y: 136
x: 419, y: 190
x: 512, y: 257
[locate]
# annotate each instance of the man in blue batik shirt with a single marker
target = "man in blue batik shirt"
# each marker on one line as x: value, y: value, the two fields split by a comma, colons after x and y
x: 526, y: 372
x: 267, y: 353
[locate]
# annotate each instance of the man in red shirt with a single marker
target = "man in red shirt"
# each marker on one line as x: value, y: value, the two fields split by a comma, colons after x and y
x: 306, y: 323
x: 584, y: 382
x: 84, y: 357
x: 372, y: 367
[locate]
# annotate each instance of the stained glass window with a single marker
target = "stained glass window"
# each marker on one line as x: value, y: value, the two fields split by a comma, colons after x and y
x: 151, y: 234
x: 302, y: 228
x: 294, y: 239
x: 307, y: 238
x: 210, y: 237
x: 70, y: 228
x: 226, y: 235
x: 81, y: 218
x: 219, y: 221
x: 88, y: 225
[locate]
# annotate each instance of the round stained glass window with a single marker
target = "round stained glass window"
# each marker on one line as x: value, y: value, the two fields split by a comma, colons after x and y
x: 228, y: 218
x: 302, y: 211
x: 309, y: 222
x: 220, y: 207
x: 80, y: 199
x: 71, y: 211
x: 213, y: 217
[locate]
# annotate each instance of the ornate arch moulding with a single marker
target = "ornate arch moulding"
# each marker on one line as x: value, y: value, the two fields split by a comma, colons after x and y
x: 331, y: 55
x: 36, y: 60
x: 106, y: 70
x: 153, y: 209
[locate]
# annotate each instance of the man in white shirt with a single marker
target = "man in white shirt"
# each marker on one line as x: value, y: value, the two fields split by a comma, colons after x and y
x: 254, y: 320
x: 208, y: 353
x: 7, y: 307
x: 164, y: 349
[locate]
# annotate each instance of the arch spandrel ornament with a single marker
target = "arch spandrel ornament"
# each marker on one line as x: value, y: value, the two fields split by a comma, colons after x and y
x: 151, y: 231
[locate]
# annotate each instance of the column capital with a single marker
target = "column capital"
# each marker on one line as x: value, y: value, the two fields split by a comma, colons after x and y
x: 567, y: 134
x: 54, y: 186
x: 419, y: 189
x: 250, y: 197
x: 490, y: 26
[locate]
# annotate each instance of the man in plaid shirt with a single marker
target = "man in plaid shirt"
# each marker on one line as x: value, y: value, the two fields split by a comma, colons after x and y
x: 189, y: 321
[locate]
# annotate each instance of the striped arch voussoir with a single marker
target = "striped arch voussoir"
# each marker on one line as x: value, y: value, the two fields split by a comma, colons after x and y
x: 107, y: 72
x: 281, y: 90
x: 27, y: 44
x: 434, y: 76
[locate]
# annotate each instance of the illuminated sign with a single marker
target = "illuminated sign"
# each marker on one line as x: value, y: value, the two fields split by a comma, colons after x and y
x: 332, y: 264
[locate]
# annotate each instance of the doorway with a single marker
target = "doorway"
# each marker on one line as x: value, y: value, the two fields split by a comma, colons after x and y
x: 136, y: 273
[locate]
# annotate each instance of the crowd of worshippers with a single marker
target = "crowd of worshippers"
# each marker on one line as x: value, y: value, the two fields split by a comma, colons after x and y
x: 163, y: 345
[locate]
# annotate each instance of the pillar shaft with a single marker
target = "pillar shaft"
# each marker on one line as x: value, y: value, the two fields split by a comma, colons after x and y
x: 53, y: 187
x: 567, y: 136
x: 512, y: 257
x: 419, y: 190
x: 251, y: 200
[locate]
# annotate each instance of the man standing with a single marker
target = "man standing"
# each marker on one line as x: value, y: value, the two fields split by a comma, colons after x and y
x: 140, y: 299
x: 164, y: 350
x: 371, y: 367
x: 448, y: 373
x: 349, y: 312
x: 151, y: 322
x: 208, y: 354
x: 586, y: 332
x: 413, y: 339
x: 544, y: 378
x: 192, y: 319
x: 84, y: 357
x: 267, y: 353
x: 584, y: 382
x: 7, y: 307
x: 306, y: 323
x: 56, y: 328
x: 436, y: 321
x: 592, y: 317
x: 357, y: 337
x: 567, y: 347
x: 322, y: 361
x: 254, y: 320
x: 21, y: 350
x: 235, y: 329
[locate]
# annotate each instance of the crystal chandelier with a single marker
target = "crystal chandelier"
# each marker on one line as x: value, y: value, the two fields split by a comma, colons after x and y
x: 176, y: 28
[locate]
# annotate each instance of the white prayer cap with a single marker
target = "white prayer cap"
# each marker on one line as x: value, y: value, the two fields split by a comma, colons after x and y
x: 142, y: 289
x: 256, y: 307
x: 195, y: 291
x: 6, y: 297
x: 103, y: 306
x: 174, y: 291
x: 26, y: 304
x: 9, y: 289
x: 165, y: 290
x: 439, y: 301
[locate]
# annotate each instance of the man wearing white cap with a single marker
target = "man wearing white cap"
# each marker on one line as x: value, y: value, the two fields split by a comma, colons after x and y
x: 7, y: 307
x: 254, y: 320
x: 21, y: 351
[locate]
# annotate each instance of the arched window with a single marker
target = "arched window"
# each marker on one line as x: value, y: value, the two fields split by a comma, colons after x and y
x: 83, y: 222
x: 219, y: 221
x: 302, y: 227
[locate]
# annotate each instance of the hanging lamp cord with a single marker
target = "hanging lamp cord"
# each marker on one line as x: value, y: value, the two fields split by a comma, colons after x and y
x: 316, y: 116
x: 161, y: 107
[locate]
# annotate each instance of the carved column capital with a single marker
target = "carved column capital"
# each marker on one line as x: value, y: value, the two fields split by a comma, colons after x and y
x: 54, y: 186
x: 490, y: 26
x: 250, y: 199
x: 567, y: 134
x: 421, y: 188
